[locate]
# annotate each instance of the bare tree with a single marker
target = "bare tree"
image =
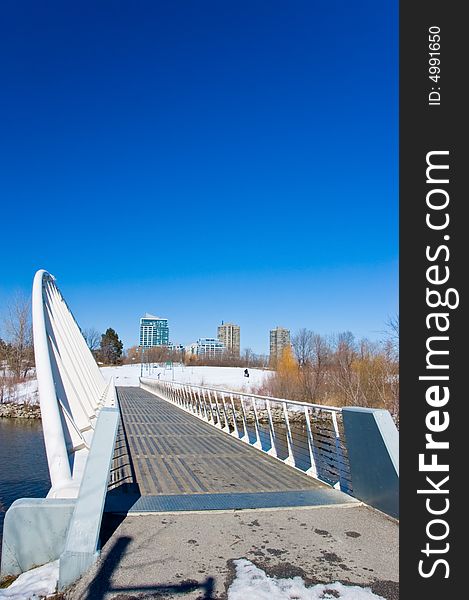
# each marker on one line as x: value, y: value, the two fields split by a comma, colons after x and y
x: 247, y: 357
x: 18, y: 328
x: 303, y: 346
x: 4, y: 352
x: 392, y: 334
x: 319, y: 363
x: 312, y: 354
x: 156, y: 354
x: 342, y: 372
x: 92, y: 338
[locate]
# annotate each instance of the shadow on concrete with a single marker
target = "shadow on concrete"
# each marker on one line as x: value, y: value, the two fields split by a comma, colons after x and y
x: 101, y: 583
x: 109, y: 524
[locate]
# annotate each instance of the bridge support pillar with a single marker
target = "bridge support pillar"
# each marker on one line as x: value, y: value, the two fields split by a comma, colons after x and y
x: 373, y: 452
x: 34, y: 533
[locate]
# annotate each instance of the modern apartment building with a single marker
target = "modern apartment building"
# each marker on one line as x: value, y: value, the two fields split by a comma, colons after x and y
x: 279, y: 340
x: 229, y: 335
x: 154, y: 331
x: 206, y: 348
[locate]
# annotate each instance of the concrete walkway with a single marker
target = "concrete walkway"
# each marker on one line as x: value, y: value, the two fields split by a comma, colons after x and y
x: 190, y: 555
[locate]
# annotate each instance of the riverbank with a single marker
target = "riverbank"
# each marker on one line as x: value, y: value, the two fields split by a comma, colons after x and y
x: 14, y: 410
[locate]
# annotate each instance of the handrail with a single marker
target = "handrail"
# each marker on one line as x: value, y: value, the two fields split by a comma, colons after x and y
x: 250, y: 395
x: 310, y: 439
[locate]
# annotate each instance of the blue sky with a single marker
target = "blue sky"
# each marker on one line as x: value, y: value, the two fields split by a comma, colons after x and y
x: 203, y: 160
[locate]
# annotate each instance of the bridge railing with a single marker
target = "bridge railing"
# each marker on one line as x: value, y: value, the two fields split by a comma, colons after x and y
x: 309, y: 437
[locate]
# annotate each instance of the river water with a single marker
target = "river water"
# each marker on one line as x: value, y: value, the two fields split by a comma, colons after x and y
x: 23, y: 463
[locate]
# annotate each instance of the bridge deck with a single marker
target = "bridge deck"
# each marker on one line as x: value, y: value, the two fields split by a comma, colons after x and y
x: 182, y: 463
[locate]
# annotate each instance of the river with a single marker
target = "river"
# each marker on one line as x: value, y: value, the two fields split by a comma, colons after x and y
x: 23, y: 463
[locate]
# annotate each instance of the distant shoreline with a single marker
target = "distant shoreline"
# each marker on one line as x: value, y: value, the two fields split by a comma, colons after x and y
x: 15, y: 410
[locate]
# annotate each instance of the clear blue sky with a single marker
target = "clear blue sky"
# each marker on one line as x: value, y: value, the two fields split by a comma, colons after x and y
x: 203, y: 160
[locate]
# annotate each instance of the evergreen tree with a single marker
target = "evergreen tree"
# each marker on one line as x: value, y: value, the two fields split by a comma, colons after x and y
x: 110, y: 347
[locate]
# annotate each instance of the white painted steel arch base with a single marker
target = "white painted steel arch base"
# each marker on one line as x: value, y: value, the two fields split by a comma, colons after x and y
x: 71, y: 387
x: 80, y: 416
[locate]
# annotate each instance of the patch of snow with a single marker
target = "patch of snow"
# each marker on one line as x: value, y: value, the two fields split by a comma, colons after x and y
x: 229, y: 378
x: 253, y: 583
x: 22, y: 393
x: 34, y: 584
x: 123, y: 375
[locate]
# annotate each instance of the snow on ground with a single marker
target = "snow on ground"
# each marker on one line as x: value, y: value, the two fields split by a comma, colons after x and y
x: 251, y: 582
x: 123, y: 375
x: 37, y: 583
x: 22, y: 393
x: 229, y: 378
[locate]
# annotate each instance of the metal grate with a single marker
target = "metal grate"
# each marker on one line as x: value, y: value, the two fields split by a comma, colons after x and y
x: 309, y: 437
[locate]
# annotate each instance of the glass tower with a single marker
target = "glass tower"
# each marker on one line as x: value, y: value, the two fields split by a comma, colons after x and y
x: 154, y: 331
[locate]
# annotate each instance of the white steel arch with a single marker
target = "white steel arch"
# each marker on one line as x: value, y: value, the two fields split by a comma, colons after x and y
x: 71, y: 387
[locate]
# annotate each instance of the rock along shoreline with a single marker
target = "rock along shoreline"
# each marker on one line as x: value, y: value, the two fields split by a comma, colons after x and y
x: 13, y: 410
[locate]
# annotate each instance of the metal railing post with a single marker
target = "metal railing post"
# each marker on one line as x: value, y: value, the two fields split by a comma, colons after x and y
x: 225, y: 414
x: 290, y: 460
x: 217, y: 410
x: 257, y: 443
x: 205, y: 417
x: 235, y: 431
x: 311, y: 446
x: 245, y: 437
x: 273, y: 447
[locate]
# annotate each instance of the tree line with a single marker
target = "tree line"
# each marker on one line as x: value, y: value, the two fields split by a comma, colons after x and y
x: 160, y: 354
x: 339, y: 370
x: 335, y: 370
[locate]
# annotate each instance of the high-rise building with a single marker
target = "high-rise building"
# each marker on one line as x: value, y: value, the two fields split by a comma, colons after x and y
x: 279, y: 340
x: 229, y: 335
x: 154, y: 331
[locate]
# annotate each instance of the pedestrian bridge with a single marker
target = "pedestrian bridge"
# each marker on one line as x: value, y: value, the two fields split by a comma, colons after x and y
x: 168, y: 459
x: 173, y: 447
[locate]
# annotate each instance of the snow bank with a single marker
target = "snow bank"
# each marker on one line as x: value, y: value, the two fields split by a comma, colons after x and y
x: 37, y: 583
x: 230, y: 378
x: 252, y: 582
x: 22, y: 393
